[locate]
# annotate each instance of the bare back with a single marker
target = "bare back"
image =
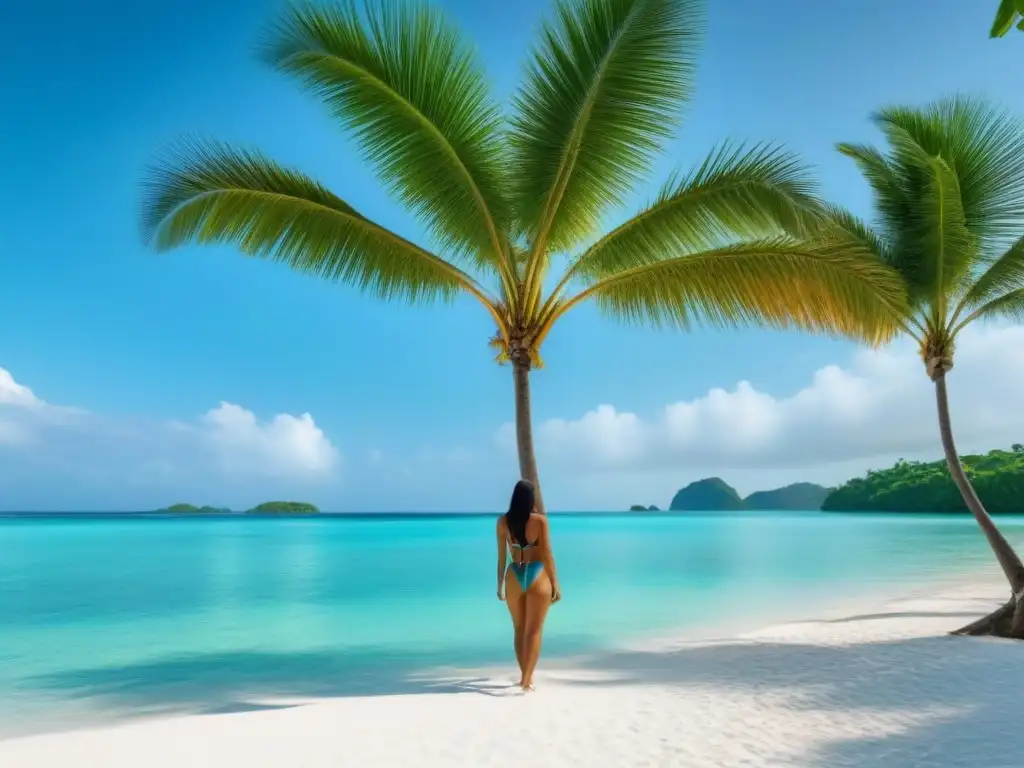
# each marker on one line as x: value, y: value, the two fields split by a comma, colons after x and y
x: 534, y: 534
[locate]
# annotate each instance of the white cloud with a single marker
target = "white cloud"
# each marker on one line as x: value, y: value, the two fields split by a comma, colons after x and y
x: 23, y: 414
x: 15, y: 394
x: 286, y: 445
x: 226, y: 447
x: 880, y: 404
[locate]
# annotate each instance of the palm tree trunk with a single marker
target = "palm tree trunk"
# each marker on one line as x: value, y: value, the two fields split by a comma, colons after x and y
x: 1012, y: 567
x: 524, y: 429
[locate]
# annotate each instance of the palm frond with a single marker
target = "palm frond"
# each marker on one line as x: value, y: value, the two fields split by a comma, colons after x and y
x: 1009, y: 306
x: 1004, y: 275
x: 413, y: 94
x: 832, y: 288
x: 841, y: 223
x: 1006, y: 15
x: 209, y: 194
x: 841, y: 227
x: 736, y: 193
x: 892, y: 201
x: 603, y: 91
x: 941, y: 228
x: 984, y: 147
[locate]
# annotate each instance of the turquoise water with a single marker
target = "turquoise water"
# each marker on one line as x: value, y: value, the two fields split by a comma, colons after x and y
x: 112, y: 616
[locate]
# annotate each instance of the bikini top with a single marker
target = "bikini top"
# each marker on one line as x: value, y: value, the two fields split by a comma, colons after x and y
x: 522, y: 548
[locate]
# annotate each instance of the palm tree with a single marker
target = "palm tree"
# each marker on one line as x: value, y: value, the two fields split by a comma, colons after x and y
x: 949, y: 200
x: 1009, y: 13
x: 505, y: 199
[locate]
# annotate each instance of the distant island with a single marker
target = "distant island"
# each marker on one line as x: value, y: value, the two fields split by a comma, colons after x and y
x: 795, y: 496
x: 267, y: 508
x: 907, y: 486
x: 193, y: 509
x: 285, y: 507
x: 915, y: 486
x: 711, y: 494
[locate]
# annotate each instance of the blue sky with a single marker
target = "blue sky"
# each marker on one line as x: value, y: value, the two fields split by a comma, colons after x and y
x: 407, y: 397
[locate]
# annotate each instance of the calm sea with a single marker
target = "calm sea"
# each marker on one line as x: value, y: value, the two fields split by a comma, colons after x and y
x: 108, y: 616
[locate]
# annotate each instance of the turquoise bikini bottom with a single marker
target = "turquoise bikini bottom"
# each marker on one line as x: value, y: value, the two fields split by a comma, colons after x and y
x: 526, y: 573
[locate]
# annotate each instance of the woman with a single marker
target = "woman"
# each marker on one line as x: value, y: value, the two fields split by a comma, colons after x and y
x: 534, y: 583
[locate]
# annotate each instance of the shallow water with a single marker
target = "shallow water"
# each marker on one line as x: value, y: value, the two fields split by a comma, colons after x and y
x: 106, y: 616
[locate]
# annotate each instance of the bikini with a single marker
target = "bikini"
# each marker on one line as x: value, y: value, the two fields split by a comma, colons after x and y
x: 525, y: 573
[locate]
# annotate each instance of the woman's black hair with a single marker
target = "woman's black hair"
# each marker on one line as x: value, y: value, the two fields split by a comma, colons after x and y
x: 520, y: 507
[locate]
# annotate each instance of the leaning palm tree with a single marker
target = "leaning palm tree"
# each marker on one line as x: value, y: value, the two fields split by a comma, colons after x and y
x: 949, y: 200
x: 505, y: 198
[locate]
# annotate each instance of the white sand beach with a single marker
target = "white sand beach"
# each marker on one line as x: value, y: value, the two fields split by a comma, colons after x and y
x: 881, y: 686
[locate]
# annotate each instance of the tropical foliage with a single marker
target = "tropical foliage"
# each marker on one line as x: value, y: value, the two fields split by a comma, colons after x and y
x: 915, y: 486
x: 949, y: 197
x: 1009, y: 14
x: 507, y: 196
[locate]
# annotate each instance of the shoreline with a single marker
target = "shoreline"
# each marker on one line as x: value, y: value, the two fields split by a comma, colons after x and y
x: 869, y: 681
x: 856, y: 599
x: 379, y: 516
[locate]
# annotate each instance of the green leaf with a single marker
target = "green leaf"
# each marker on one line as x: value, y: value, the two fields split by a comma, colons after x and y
x: 1004, y: 18
x: 603, y: 91
x: 884, y: 179
x: 893, y: 205
x: 736, y: 193
x: 983, y: 145
x: 949, y: 194
x: 1009, y: 306
x: 841, y: 224
x: 212, y: 195
x: 778, y: 283
x: 413, y: 94
x: 942, y: 231
x: 1004, y: 275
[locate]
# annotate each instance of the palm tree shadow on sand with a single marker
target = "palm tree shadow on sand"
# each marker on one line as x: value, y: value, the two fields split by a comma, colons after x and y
x: 245, y: 681
x: 937, y: 700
